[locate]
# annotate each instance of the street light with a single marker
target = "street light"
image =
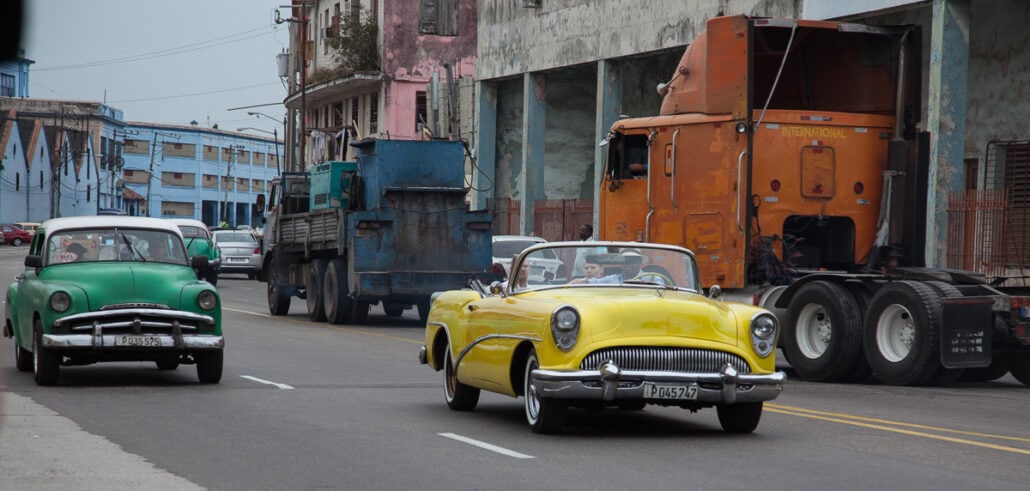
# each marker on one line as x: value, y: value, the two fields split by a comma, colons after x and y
x: 259, y: 114
x: 275, y: 137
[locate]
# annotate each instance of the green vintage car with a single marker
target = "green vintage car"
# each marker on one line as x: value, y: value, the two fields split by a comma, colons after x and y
x: 200, y: 243
x: 113, y: 288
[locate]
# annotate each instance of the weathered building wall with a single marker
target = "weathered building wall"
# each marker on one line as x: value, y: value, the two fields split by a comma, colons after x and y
x: 409, y: 59
x: 999, y: 75
x: 509, y: 139
x: 515, y: 40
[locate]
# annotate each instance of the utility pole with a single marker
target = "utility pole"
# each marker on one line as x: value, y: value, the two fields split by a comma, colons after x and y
x: 150, y: 172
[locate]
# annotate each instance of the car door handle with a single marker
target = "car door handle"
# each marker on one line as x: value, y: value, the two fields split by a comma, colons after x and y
x: 473, y: 307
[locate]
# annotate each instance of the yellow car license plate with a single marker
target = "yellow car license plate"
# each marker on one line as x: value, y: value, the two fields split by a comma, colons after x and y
x: 656, y: 391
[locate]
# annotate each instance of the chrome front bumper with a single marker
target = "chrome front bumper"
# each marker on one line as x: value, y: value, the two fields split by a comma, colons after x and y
x: 186, y: 341
x: 173, y: 329
x: 610, y: 383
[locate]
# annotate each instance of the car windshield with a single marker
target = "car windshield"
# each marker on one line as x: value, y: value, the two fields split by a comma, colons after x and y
x: 191, y: 232
x: 508, y: 248
x: 611, y: 264
x: 234, y: 237
x: 115, y: 244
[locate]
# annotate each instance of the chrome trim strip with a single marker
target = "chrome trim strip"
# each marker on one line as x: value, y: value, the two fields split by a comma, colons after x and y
x: 465, y: 350
x: 158, y: 313
x: 729, y: 387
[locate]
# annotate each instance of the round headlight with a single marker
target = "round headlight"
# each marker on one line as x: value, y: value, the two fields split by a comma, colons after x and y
x: 207, y: 300
x: 764, y: 326
x: 565, y: 327
x: 566, y: 319
x: 763, y: 333
x: 60, y: 301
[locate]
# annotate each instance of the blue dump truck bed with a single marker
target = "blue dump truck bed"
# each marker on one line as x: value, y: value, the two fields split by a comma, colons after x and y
x: 401, y: 232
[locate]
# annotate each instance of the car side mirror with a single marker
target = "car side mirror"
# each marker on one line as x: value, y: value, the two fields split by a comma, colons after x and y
x: 33, y: 261
x: 715, y: 292
x: 495, y: 288
x: 199, y: 263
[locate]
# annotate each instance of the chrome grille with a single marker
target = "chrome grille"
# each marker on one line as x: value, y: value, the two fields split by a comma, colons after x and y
x: 665, y: 358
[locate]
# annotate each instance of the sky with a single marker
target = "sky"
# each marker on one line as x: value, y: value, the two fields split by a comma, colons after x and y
x: 161, y: 61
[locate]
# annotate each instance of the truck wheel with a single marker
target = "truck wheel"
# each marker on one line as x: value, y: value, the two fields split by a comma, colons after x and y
x: 46, y: 363
x: 338, y: 304
x: 315, y: 294
x: 359, y: 311
x: 1019, y: 366
x: 902, y: 332
x: 393, y: 310
x: 823, y: 334
x: 862, y: 295
x: 996, y: 370
x: 423, y: 309
x: 945, y: 376
x: 278, y: 302
x: 741, y: 417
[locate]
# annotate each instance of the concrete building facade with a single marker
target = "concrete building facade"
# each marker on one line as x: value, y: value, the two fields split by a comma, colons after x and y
x: 553, y: 75
x: 194, y: 172
x: 406, y: 86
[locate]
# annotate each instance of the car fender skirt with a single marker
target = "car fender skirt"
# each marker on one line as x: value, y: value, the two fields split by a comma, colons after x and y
x: 613, y: 384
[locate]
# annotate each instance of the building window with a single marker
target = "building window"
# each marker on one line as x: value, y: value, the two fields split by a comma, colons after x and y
x: 421, y: 117
x: 438, y: 17
x: 6, y: 85
x: 129, y: 173
x: 373, y: 114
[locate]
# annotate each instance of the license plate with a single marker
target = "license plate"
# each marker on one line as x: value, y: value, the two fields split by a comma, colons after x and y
x: 654, y: 391
x: 237, y: 260
x: 140, y: 341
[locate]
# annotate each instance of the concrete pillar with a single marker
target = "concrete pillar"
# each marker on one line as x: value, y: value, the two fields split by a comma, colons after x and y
x: 485, y: 171
x: 609, y: 105
x: 946, y: 118
x: 531, y: 180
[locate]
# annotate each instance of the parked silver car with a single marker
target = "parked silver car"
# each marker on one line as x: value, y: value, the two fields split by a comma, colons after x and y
x: 240, y: 252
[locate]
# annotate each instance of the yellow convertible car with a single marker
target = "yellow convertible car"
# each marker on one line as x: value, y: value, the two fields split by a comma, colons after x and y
x: 634, y: 330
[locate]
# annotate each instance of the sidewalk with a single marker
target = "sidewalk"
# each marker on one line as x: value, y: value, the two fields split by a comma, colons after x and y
x: 42, y: 450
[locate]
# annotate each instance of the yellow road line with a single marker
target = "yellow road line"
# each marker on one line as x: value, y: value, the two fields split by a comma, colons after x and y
x: 338, y: 328
x: 855, y: 422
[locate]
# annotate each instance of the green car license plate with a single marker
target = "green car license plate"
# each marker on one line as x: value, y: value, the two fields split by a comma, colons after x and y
x: 140, y: 341
x: 656, y: 391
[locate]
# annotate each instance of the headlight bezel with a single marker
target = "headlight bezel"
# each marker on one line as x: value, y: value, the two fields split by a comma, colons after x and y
x: 60, y: 301
x: 763, y: 328
x: 565, y: 327
x: 207, y: 297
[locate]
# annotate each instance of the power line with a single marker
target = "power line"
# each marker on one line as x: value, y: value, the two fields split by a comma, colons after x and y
x: 162, y: 53
x: 192, y: 94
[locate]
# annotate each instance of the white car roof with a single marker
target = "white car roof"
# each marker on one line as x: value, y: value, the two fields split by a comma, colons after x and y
x: 104, y: 221
x: 189, y: 222
x: 501, y: 238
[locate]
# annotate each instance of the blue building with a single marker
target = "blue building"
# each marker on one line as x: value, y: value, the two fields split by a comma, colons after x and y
x: 194, y: 172
x: 14, y: 76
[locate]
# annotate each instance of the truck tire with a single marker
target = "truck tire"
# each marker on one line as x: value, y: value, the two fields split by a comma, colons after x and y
x: 1019, y: 366
x: 823, y: 333
x: 945, y: 376
x: 338, y: 304
x: 423, y: 309
x: 315, y: 294
x: 862, y: 295
x: 393, y: 310
x: 902, y: 330
x: 278, y: 301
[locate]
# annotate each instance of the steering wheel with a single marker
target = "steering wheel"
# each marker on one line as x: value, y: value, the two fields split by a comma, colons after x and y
x: 653, y: 277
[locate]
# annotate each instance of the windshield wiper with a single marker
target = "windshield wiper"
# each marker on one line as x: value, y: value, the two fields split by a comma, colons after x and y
x: 128, y: 243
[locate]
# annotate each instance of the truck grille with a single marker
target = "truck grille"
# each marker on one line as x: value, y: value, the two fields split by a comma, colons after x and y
x: 665, y: 359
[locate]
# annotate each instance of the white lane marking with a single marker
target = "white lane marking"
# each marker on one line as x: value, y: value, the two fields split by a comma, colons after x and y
x: 269, y: 382
x: 486, y: 446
